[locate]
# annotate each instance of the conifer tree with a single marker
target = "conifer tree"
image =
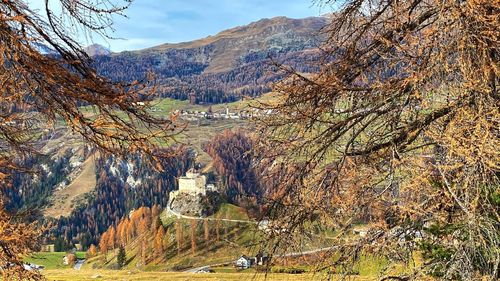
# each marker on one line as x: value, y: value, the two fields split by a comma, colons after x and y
x: 122, y: 256
x: 103, y: 245
x: 144, y: 253
x: 402, y: 118
x: 38, y: 89
x: 217, y: 228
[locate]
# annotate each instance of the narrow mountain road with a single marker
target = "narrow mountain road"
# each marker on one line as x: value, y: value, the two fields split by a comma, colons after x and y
x: 171, y: 212
x: 180, y: 216
x: 293, y: 254
x: 196, y: 269
x: 78, y: 264
x: 309, y: 252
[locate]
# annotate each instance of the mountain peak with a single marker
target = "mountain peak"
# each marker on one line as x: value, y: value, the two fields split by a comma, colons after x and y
x: 97, y: 50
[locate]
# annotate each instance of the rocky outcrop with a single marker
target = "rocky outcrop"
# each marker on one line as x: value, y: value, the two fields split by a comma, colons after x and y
x: 195, y: 205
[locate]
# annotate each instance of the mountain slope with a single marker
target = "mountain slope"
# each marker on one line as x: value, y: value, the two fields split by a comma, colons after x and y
x: 185, y: 243
x: 63, y: 201
x: 97, y: 50
x: 276, y: 34
x: 224, y: 67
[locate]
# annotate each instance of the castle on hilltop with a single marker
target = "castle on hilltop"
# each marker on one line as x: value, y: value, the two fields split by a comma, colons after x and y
x: 193, y: 183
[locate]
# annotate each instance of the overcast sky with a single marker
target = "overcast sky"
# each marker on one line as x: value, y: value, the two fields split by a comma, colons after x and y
x: 153, y: 22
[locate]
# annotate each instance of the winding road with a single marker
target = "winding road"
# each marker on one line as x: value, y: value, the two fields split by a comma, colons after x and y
x: 171, y: 212
x: 293, y: 254
x: 78, y: 264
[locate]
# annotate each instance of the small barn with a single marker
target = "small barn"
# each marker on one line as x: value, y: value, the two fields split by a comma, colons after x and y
x: 262, y: 259
x: 48, y: 248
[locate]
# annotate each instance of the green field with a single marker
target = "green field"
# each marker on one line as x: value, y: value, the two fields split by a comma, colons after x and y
x: 196, y: 133
x: 229, y: 211
x: 51, y: 260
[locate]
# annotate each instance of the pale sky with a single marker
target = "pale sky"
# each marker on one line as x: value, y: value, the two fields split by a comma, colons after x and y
x: 154, y: 22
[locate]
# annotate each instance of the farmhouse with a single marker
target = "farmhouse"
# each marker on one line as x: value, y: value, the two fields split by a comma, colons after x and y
x: 48, y: 248
x: 243, y: 262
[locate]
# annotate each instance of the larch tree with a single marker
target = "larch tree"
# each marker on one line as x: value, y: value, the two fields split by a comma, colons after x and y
x: 120, y: 232
x: 129, y: 232
x: 143, y: 226
x: 159, y: 241
x: 92, y: 251
x: 155, y: 212
x: 111, y: 238
x: 217, y: 227
x: 206, y: 232
x: 144, y: 251
x: 167, y: 239
x: 193, y: 226
x: 13, y: 244
x: 179, y: 236
x: 71, y: 258
x: 398, y: 130
x: 103, y: 245
x: 39, y: 88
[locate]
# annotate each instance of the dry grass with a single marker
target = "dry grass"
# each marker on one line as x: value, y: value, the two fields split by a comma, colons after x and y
x: 65, y: 200
x: 111, y: 275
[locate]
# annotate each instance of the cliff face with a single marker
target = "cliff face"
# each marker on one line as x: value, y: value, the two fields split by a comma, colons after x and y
x: 194, y: 205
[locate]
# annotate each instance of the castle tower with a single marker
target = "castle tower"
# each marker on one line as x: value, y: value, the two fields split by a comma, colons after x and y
x: 193, y: 183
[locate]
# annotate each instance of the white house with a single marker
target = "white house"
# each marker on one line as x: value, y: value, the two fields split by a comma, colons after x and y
x: 243, y: 262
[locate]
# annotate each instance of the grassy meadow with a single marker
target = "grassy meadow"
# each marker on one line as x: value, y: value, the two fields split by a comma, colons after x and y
x: 51, y: 260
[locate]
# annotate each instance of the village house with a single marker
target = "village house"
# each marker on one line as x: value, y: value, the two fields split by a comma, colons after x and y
x: 78, y: 247
x: 261, y: 259
x: 243, y: 262
x: 48, y: 248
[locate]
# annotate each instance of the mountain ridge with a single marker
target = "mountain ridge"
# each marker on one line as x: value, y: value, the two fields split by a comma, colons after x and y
x: 224, y: 67
x: 97, y: 50
x: 230, y: 31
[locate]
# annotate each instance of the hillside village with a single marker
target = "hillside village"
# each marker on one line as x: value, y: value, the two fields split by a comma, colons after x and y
x: 194, y: 115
